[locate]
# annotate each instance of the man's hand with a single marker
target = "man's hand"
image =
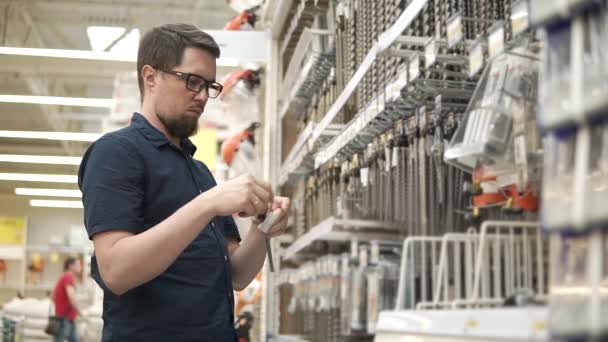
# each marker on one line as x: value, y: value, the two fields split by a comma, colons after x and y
x: 244, y: 195
x: 280, y: 207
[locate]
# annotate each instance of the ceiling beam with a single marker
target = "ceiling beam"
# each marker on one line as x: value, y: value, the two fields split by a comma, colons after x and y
x: 40, y: 87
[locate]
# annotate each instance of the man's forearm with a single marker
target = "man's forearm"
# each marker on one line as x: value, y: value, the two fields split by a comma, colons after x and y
x: 136, y: 259
x: 248, y: 259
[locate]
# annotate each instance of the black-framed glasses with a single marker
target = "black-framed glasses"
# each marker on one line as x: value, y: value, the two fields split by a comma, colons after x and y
x: 197, y: 83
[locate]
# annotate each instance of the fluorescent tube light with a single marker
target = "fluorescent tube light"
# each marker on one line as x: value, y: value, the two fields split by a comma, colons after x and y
x: 58, y: 100
x: 33, y: 177
x: 92, y: 55
x: 17, y: 158
x: 50, y: 135
x: 55, y: 204
x: 76, y: 54
x: 48, y: 192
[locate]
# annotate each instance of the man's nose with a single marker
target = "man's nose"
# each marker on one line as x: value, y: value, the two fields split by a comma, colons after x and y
x: 202, y: 95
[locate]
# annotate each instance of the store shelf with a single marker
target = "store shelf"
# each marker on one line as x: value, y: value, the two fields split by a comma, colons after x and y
x: 385, y: 40
x: 58, y: 249
x: 277, y: 12
x: 11, y: 252
x: 40, y: 287
x: 309, y: 67
x: 334, y: 229
x: 300, y: 160
x: 504, y: 324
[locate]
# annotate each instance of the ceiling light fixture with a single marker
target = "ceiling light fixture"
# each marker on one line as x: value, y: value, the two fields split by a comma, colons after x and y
x: 58, y: 100
x: 92, y: 55
x: 48, y: 192
x: 31, y: 159
x: 55, y: 204
x: 35, y: 177
x: 71, y: 136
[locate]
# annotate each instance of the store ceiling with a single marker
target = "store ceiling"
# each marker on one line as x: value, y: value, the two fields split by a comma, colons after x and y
x: 62, y: 24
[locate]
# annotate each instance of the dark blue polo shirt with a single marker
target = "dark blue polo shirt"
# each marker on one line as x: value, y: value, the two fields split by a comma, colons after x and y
x: 131, y: 180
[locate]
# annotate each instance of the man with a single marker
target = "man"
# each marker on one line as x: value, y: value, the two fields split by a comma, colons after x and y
x: 65, y: 301
x: 167, y: 251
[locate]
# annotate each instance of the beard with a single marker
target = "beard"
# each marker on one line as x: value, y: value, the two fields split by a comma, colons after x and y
x: 181, y: 126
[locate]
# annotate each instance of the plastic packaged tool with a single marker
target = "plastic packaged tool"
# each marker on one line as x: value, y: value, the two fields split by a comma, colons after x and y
x: 595, y: 62
x: 555, y: 91
x: 596, y: 186
x: 558, y: 182
x: 578, y: 305
x: 359, y: 292
x: 503, y: 108
x: 345, y: 293
x: 568, y: 304
x: 382, y: 282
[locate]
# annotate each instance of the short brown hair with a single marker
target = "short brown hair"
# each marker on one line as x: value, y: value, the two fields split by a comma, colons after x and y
x: 163, y: 47
x: 69, y: 262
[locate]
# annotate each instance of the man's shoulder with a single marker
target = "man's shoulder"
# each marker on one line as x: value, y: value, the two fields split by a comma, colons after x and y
x: 116, y: 142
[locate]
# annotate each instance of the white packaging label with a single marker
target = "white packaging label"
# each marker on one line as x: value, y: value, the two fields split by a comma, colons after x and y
x: 364, y: 175
x: 496, y: 41
x: 430, y: 53
x: 414, y: 67
x: 475, y: 59
x: 395, y: 157
x: 520, y: 150
x: 454, y: 30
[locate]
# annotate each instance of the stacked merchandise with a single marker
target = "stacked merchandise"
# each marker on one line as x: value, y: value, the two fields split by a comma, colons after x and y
x: 573, y: 115
x: 338, y: 297
x: 25, y: 319
x: 441, y: 142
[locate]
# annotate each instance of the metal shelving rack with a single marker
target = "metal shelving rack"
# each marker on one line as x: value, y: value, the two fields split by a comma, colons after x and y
x: 459, y: 57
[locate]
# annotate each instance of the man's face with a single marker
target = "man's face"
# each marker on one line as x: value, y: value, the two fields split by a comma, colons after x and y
x: 177, y: 107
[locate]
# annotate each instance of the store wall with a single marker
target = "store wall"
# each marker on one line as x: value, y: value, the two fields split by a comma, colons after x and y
x: 43, y: 223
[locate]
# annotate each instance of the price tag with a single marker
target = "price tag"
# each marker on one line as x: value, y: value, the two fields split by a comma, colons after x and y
x: 519, y: 17
x: 395, y: 157
x: 422, y: 117
x: 496, y: 40
x: 397, y: 86
x: 454, y: 30
x: 364, y: 176
x: 414, y: 67
x: 388, y: 91
x: 430, y: 53
x: 402, y: 82
x: 475, y: 59
x: 387, y: 160
x: 438, y: 105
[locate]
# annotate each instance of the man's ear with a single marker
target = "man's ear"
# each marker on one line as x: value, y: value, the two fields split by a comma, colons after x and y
x: 149, y: 76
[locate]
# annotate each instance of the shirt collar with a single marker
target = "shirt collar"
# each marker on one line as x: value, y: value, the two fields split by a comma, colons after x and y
x: 156, y: 137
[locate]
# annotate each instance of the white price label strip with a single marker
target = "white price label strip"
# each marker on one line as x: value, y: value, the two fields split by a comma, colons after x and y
x: 430, y: 53
x: 414, y: 67
x: 475, y: 59
x: 496, y: 41
x: 454, y: 30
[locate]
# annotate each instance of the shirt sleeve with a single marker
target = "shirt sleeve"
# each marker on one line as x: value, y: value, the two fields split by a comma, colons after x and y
x: 67, y: 280
x: 111, y: 178
x: 231, y: 231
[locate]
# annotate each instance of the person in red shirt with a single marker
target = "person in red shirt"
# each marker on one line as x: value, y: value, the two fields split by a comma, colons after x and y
x: 65, y: 300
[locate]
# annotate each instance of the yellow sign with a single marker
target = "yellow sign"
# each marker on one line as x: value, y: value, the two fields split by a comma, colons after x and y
x: 206, y: 146
x: 12, y: 230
